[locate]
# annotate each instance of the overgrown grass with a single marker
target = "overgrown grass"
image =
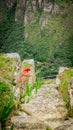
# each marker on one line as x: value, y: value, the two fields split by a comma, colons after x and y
x: 65, y: 78
x: 4, y: 95
x: 6, y: 103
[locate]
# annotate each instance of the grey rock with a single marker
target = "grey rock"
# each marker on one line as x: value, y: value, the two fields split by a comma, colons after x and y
x: 48, y: 7
x: 13, y: 55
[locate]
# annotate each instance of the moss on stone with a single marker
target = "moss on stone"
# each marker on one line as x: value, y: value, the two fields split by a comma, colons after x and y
x: 65, y: 78
x: 7, y: 67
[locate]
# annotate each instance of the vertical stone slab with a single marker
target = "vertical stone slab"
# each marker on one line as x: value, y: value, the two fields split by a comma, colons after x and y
x: 16, y: 64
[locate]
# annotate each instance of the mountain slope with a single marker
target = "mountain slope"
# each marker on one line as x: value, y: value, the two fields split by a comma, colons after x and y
x: 42, y: 30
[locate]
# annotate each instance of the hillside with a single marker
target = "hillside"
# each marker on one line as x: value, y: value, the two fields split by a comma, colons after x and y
x: 41, y: 29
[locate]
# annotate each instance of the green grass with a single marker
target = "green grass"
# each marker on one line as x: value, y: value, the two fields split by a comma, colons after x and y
x: 65, y: 78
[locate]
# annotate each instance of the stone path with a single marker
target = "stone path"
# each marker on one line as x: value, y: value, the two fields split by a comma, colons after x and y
x: 45, y: 110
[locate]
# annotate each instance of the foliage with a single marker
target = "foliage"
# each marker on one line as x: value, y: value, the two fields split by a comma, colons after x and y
x: 4, y: 95
x: 63, y: 88
x: 37, y: 85
x: 49, y: 45
x: 6, y: 103
x: 48, y: 128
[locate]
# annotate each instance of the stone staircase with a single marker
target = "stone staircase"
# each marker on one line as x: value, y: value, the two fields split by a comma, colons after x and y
x: 46, y: 111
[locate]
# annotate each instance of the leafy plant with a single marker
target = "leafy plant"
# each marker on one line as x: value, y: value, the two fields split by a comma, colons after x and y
x: 37, y: 85
x: 12, y: 127
x: 6, y: 112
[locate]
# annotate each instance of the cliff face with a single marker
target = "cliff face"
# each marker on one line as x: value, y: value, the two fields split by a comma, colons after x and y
x: 31, y: 11
x: 26, y: 6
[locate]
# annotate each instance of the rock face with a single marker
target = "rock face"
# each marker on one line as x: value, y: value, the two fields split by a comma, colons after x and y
x: 71, y: 92
x: 9, y: 3
x: 43, y: 109
x: 24, y: 7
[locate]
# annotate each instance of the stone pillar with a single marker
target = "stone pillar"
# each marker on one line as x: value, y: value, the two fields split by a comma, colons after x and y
x: 17, y: 66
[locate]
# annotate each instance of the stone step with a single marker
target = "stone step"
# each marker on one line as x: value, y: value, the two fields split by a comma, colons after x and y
x: 46, y: 105
x: 27, y: 123
x: 45, y: 109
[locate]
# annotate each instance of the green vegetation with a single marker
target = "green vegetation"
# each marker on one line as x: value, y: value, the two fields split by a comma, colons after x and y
x: 65, y: 78
x: 6, y: 103
x: 4, y: 95
x: 51, y: 45
x: 38, y: 85
x: 48, y: 128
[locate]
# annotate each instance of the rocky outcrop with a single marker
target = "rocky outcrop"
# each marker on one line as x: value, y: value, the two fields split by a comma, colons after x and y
x: 24, y: 7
